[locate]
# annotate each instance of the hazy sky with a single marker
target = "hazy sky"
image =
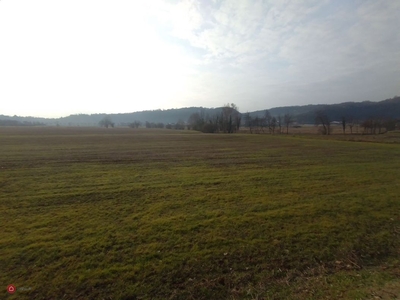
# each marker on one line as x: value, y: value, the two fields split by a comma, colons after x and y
x: 59, y: 57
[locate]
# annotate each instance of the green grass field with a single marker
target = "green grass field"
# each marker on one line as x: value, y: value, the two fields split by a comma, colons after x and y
x: 147, y: 214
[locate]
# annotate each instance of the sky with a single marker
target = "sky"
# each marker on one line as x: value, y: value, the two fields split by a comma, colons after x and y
x: 93, y: 56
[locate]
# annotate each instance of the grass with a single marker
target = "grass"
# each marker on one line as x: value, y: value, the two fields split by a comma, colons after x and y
x: 158, y: 214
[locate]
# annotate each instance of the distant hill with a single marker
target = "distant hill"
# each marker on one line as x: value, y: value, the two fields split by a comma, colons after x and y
x: 389, y: 108
x: 10, y: 122
x: 164, y: 116
x: 305, y: 114
x: 293, y: 110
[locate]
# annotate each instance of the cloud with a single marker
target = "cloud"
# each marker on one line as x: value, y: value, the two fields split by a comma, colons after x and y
x: 232, y: 29
x: 258, y: 54
x: 291, y: 31
x: 293, y: 44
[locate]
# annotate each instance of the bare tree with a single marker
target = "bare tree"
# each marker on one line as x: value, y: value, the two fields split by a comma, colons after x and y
x: 259, y: 124
x: 248, y: 122
x: 390, y: 124
x: 321, y: 118
x: 135, y: 124
x: 379, y: 125
x: 196, y: 121
x: 350, y: 122
x: 279, y: 121
x: 288, y: 120
x: 356, y: 123
x: 180, y: 125
x: 273, y: 124
x: 268, y: 120
x: 376, y: 125
x: 344, y: 120
x: 106, y: 122
x: 237, y: 120
x: 205, y: 123
x: 230, y: 118
x: 216, y: 121
x: 367, y: 125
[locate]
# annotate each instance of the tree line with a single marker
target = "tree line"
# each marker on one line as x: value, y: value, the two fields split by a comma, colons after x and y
x: 371, y: 125
x: 180, y: 125
x: 268, y: 123
x: 19, y: 123
x: 226, y: 121
x: 229, y: 120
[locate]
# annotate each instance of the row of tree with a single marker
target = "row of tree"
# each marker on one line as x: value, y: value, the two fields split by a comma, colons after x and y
x: 229, y: 120
x: 379, y: 125
x: 106, y: 122
x: 268, y: 123
x: 372, y: 125
x: 178, y: 125
x: 19, y: 123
